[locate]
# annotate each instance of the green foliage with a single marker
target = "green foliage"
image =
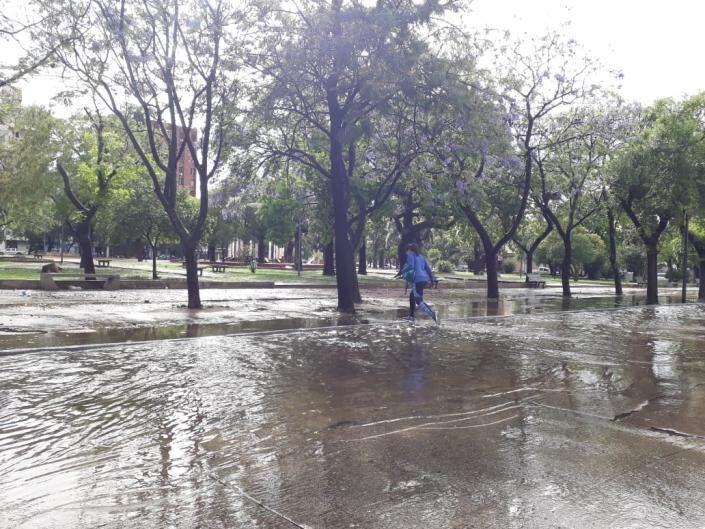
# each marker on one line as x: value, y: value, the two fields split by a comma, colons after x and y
x: 26, y: 185
x: 509, y: 266
x: 634, y: 259
x: 589, y: 253
x: 660, y: 170
x: 445, y: 267
x: 433, y: 255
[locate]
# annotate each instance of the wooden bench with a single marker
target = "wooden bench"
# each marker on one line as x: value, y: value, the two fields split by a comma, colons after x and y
x: 48, y: 281
x: 219, y: 267
x: 103, y: 263
x: 534, y: 281
x: 39, y: 256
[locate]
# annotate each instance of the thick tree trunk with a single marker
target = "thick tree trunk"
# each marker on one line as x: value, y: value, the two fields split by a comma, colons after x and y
x: 381, y: 258
x: 492, y: 278
x: 529, y: 262
x: 652, y: 274
x: 211, y: 251
x: 194, y: 294
x: 261, y: 249
x: 565, y: 266
x: 362, y: 259
x: 329, y: 259
x: 344, y: 269
x: 85, y: 244
x: 701, y: 288
x: 614, y: 264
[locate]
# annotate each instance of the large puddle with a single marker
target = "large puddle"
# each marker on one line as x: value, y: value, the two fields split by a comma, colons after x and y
x: 589, y: 418
x: 265, y: 315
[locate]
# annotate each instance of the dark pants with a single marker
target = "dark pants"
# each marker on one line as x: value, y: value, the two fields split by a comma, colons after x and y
x: 412, y: 299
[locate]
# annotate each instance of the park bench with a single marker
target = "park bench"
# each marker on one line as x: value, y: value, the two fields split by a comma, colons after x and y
x: 534, y: 281
x: 38, y: 256
x: 219, y: 267
x: 103, y: 263
x: 198, y: 267
x: 49, y: 281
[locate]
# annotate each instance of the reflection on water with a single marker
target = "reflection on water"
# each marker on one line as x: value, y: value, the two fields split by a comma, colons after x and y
x: 538, y: 420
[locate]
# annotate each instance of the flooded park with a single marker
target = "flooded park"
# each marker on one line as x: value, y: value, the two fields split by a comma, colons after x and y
x: 352, y: 264
x: 267, y: 409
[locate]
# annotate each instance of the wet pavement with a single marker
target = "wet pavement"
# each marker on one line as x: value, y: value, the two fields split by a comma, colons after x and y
x: 529, y: 413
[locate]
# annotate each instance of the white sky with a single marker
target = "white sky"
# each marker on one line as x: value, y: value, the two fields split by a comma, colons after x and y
x: 656, y: 43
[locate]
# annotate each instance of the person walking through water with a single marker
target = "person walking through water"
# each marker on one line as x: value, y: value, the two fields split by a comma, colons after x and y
x: 417, y: 272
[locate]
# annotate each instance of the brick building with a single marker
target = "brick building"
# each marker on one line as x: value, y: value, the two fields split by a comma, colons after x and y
x: 186, y: 174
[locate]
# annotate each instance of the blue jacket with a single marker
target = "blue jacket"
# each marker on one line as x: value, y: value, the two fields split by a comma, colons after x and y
x: 418, y: 263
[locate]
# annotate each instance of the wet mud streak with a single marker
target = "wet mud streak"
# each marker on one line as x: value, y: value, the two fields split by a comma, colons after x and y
x: 342, y: 424
x: 640, y: 407
x: 675, y: 433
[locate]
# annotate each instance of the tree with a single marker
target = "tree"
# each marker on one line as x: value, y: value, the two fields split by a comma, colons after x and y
x: 696, y: 237
x: 176, y: 62
x: 26, y: 188
x: 490, y: 134
x: 94, y: 155
x: 532, y: 232
x: 570, y: 175
x: 139, y: 214
x: 18, y: 33
x: 332, y: 68
x: 657, y: 173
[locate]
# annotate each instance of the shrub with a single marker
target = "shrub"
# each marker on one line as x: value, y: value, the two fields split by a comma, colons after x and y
x: 433, y: 255
x: 445, y: 267
x: 509, y: 266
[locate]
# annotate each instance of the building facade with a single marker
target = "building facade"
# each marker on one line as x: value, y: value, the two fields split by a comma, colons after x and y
x: 186, y: 174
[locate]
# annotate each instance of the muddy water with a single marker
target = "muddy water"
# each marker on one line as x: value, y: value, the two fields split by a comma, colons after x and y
x: 575, y: 419
x: 96, y: 318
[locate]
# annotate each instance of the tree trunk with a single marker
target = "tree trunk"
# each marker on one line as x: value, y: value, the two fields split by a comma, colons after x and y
x: 701, y: 288
x: 613, y: 252
x: 297, y: 249
x: 478, y: 259
x: 211, y: 251
x: 194, y: 294
x: 329, y: 259
x: 362, y: 259
x: 85, y: 244
x: 345, y: 271
x: 492, y: 278
x: 652, y: 274
x: 529, y: 262
x: 154, y: 261
x: 565, y: 266
x: 357, y: 296
x: 261, y: 249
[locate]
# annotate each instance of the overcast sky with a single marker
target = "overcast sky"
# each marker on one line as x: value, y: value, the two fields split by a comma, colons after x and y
x: 656, y: 43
